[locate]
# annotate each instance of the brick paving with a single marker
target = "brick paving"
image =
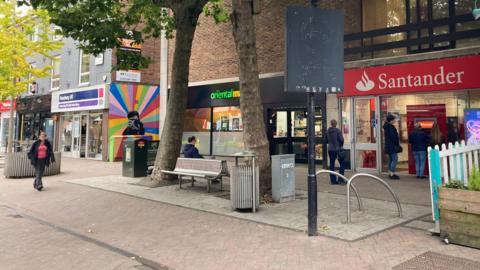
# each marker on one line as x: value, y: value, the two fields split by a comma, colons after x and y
x: 182, y: 238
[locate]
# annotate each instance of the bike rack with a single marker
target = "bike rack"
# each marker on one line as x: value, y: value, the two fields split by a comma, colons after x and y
x: 349, y: 183
x: 360, y: 204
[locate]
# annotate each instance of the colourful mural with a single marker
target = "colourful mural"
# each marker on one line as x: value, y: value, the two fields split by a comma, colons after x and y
x: 134, y: 110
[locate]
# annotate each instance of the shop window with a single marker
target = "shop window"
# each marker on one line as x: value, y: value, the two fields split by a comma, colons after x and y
x: 445, y: 109
x: 66, y: 133
x: 280, y: 122
x: 95, y: 135
x: 345, y: 122
x: 227, y: 130
x: 84, y: 76
x: 198, y: 123
x: 55, y: 77
x: 299, y: 123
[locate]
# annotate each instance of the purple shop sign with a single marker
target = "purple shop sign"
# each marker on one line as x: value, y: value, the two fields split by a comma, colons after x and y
x: 78, y: 104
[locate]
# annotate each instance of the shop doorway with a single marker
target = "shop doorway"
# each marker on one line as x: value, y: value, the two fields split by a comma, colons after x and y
x: 366, y: 152
x: 287, y: 133
x: 81, y: 135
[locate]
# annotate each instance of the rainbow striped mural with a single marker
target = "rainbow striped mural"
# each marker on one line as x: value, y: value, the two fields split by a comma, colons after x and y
x: 126, y: 97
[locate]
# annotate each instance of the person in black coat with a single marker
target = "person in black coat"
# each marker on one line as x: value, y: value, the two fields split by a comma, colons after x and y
x: 392, y: 145
x: 419, y: 142
x: 41, y: 156
x: 189, y: 150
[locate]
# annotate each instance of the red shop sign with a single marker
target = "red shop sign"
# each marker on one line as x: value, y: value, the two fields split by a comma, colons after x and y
x: 5, y: 106
x: 438, y: 75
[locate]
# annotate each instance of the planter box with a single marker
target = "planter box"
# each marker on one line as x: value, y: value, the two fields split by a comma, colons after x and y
x: 17, y: 165
x: 460, y: 216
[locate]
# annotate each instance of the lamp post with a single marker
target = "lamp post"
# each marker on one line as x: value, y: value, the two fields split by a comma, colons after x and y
x: 312, y: 179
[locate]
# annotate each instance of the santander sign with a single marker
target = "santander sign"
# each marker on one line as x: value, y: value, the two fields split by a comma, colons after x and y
x: 438, y: 75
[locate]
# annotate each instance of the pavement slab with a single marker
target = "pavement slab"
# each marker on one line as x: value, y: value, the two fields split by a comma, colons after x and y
x: 378, y: 215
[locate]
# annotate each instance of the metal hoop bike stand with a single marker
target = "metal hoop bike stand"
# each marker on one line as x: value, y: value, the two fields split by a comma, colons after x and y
x: 360, y: 204
x: 349, y: 183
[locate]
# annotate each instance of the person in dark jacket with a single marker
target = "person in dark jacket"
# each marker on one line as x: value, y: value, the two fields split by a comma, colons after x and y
x: 419, y: 141
x: 335, y: 141
x: 41, y: 156
x: 189, y: 150
x: 392, y: 145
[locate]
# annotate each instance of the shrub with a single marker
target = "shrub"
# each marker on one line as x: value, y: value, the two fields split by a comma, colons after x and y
x: 456, y: 184
x: 474, y: 180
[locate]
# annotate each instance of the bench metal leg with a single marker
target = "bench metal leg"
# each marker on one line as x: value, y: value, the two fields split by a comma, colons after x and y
x: 193, y: 180
x: 180, y: 181
x: 221, y: 183
x: 208, y: 184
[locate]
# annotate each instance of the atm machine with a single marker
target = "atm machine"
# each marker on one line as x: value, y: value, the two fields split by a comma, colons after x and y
x: 426, y: 115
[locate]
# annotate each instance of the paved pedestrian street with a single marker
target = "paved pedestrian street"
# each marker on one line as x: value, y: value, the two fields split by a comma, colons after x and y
x: 75, y: 226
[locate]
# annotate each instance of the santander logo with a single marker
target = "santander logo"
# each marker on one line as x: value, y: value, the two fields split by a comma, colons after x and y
x: 365, y: 84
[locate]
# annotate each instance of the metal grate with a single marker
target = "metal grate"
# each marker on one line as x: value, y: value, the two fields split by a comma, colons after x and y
x: 434, y: 261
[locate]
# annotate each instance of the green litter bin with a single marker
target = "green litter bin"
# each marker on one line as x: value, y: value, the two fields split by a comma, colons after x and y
x: 135, y: 158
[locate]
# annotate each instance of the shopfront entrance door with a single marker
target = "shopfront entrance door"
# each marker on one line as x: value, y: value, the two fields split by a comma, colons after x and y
x: 366, y: 134
x: 287, y: 133
x: 76, y: 134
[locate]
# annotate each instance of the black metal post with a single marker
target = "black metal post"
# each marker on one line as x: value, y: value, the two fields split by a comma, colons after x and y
x: 312, y: 179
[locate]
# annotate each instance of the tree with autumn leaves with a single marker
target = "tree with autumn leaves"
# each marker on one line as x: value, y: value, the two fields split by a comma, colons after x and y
x: 17, y: 27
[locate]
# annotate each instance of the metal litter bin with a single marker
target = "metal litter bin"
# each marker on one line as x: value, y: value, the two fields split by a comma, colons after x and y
x: 244, y: 183
x: 283, y: 178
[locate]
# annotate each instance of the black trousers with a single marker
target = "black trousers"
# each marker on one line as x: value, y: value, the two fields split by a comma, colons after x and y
x: 39, y: 170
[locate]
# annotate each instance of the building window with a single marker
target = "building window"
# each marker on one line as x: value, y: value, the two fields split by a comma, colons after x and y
x: 34, y: 34
x: 55, y: 81
x: 56, y: 33
x: 84, y: 77
x: 32, y: 85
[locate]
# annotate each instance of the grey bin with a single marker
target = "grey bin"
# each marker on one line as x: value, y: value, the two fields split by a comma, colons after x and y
x: 244, y: 185
x: 283, y: 178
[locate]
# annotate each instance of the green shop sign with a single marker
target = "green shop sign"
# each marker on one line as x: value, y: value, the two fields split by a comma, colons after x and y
x: 225, y: 94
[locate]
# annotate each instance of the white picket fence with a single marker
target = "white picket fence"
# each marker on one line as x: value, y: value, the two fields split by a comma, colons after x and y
x: 457, y: 161
x: 454, y: 162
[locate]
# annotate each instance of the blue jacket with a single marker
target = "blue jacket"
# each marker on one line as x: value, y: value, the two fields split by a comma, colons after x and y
x: 392, y: 139
x: 190, y: 151
x: 419, y: 140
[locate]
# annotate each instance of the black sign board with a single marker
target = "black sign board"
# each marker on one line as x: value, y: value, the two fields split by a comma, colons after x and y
x: 314, y: 50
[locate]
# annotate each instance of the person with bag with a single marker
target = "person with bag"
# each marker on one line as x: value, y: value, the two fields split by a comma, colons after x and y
x: 335, y: 141
x: 41, y: 156
x: 419, y: 141
x: 392, y: 146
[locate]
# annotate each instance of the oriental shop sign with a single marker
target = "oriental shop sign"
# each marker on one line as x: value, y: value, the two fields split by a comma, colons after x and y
x: 426, y: 76
x: 225, y: 94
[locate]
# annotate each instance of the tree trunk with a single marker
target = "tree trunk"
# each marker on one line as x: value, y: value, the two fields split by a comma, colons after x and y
x: 254, y: 132
x: 186, y: 18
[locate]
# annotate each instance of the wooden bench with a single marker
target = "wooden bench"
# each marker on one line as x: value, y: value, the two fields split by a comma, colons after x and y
x: 208, y: 169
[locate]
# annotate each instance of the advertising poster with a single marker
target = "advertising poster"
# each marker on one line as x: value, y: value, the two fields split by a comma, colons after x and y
x: 472, y: 126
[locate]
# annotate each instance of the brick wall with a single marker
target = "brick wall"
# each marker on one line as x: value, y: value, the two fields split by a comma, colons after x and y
x: 151, y: 75
x: 213, y: 52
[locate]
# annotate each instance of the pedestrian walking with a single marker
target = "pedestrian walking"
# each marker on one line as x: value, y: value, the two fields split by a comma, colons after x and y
x: 419, y: 142
x: 392, y: 145
x: 335, y: 141
x: 41, y: 156
x: 189, y: 150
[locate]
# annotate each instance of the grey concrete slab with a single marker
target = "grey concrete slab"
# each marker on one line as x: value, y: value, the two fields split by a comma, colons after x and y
x: 377, y: 216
